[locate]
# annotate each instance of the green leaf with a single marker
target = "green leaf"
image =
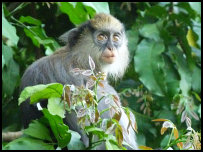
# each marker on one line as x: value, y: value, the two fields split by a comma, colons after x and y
x: 99, y: 7
x: 7, y: 52
x: 149, y: 65
x: 56, y: 107
x: 196, y: 79
x: 9, y: 31
x: 3, y: 61
x: 110, y: 145
x: 10, y: 77
x: 196, y: 6
x: 41, y: 91
x: 183, y: 69
x: 60, y: 130
x: 76, y: 13
x: 133, y: 37
x: 171, y: 77
x: 75, y: 142
x: 94, y: 130
x: 150, y: 31
x: 30, y: 20
x: 53, y: 90
x: 37, y: 130
x: 26, y: 143
x: 157, y: 11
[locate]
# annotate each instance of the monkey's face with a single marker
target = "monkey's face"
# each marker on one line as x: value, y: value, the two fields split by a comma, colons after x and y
x: 108, y: 43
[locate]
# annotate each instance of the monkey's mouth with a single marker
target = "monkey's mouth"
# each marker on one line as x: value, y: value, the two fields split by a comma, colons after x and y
x: 109, y: 58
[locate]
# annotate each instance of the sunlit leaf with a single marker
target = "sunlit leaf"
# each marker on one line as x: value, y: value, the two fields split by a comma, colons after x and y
x: 145, y: 148
x: 175, y: 133
x: 56, y: 107
x: 163, y: 129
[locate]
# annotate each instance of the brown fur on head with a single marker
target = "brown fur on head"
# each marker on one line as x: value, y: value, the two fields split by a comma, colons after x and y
x: 106, y: 21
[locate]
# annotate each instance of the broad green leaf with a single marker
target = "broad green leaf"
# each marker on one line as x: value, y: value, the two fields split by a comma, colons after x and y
x: 149, y: 65
x: 30, y: 20
x: 192, y: 38
x: 3, y: 61
x: 171, y: 77
x: 196, y: 79
x: 60, y: 130
x: 110, y: 145
x: 94, y: 130
x: 9, y: 31
x: 54, y: 90
x: 10, y: 77
x: 38, y: 130
x: 150, y: 31
x: 133, y: 37
x: 196, y: 6
x: 75, y: 142
x: 183, y: 69
x: 157, y: 11
x: 76, y: 13
x: 41, y: 91
x: 7, y: 53
x: 99, y: 7
x: 27, y: 143
x: 56, y: 107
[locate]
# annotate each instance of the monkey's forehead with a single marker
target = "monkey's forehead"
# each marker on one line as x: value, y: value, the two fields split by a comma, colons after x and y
x: 101, y: 21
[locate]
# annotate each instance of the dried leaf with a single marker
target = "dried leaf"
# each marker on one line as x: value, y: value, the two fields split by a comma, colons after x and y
x: 119, y: 135
x: 175, y: 133
x: 163, y: 129
x: 117, y: 116
x: 67, y: 94
x: 96, y: 115
x: 145, y: 148
x: 194, y: 115
x: 160, y: 120
x: 92, y: 116
x: 109, y: 124
x: 101, y: 85
x: 134, y: 123
x: 76, y: 71
x: 91, y: 63
x: 116, y: 100
x: 168, y: 124
x: 93, y: 77
x: 180, y: 145
x: 188, y: 122
x: 89, y: 98
x: 81, y: 112
x: 87, y: 73
x: 183, y: 116
x: 90, y: 83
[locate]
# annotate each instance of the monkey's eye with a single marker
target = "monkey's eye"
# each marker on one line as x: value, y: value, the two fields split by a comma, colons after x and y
x: 101, y: 37
x: 116, y: 38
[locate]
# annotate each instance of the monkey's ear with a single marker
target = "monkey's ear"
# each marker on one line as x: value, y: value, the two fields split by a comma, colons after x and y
x: 69, y: 37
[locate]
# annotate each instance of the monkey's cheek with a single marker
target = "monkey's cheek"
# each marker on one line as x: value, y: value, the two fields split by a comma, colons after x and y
x: 108, y: 60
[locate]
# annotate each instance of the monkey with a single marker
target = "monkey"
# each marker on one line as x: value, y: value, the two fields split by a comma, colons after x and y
x: 103, y: 38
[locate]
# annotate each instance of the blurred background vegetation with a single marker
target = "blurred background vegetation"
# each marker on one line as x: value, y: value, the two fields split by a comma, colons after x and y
x: 164, y: 76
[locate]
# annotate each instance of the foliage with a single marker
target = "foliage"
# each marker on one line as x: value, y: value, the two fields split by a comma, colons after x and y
x: 84, y: 103
x: 163, y: 79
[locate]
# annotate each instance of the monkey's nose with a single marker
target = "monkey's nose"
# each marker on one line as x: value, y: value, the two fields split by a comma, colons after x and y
x: 110, y: 48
